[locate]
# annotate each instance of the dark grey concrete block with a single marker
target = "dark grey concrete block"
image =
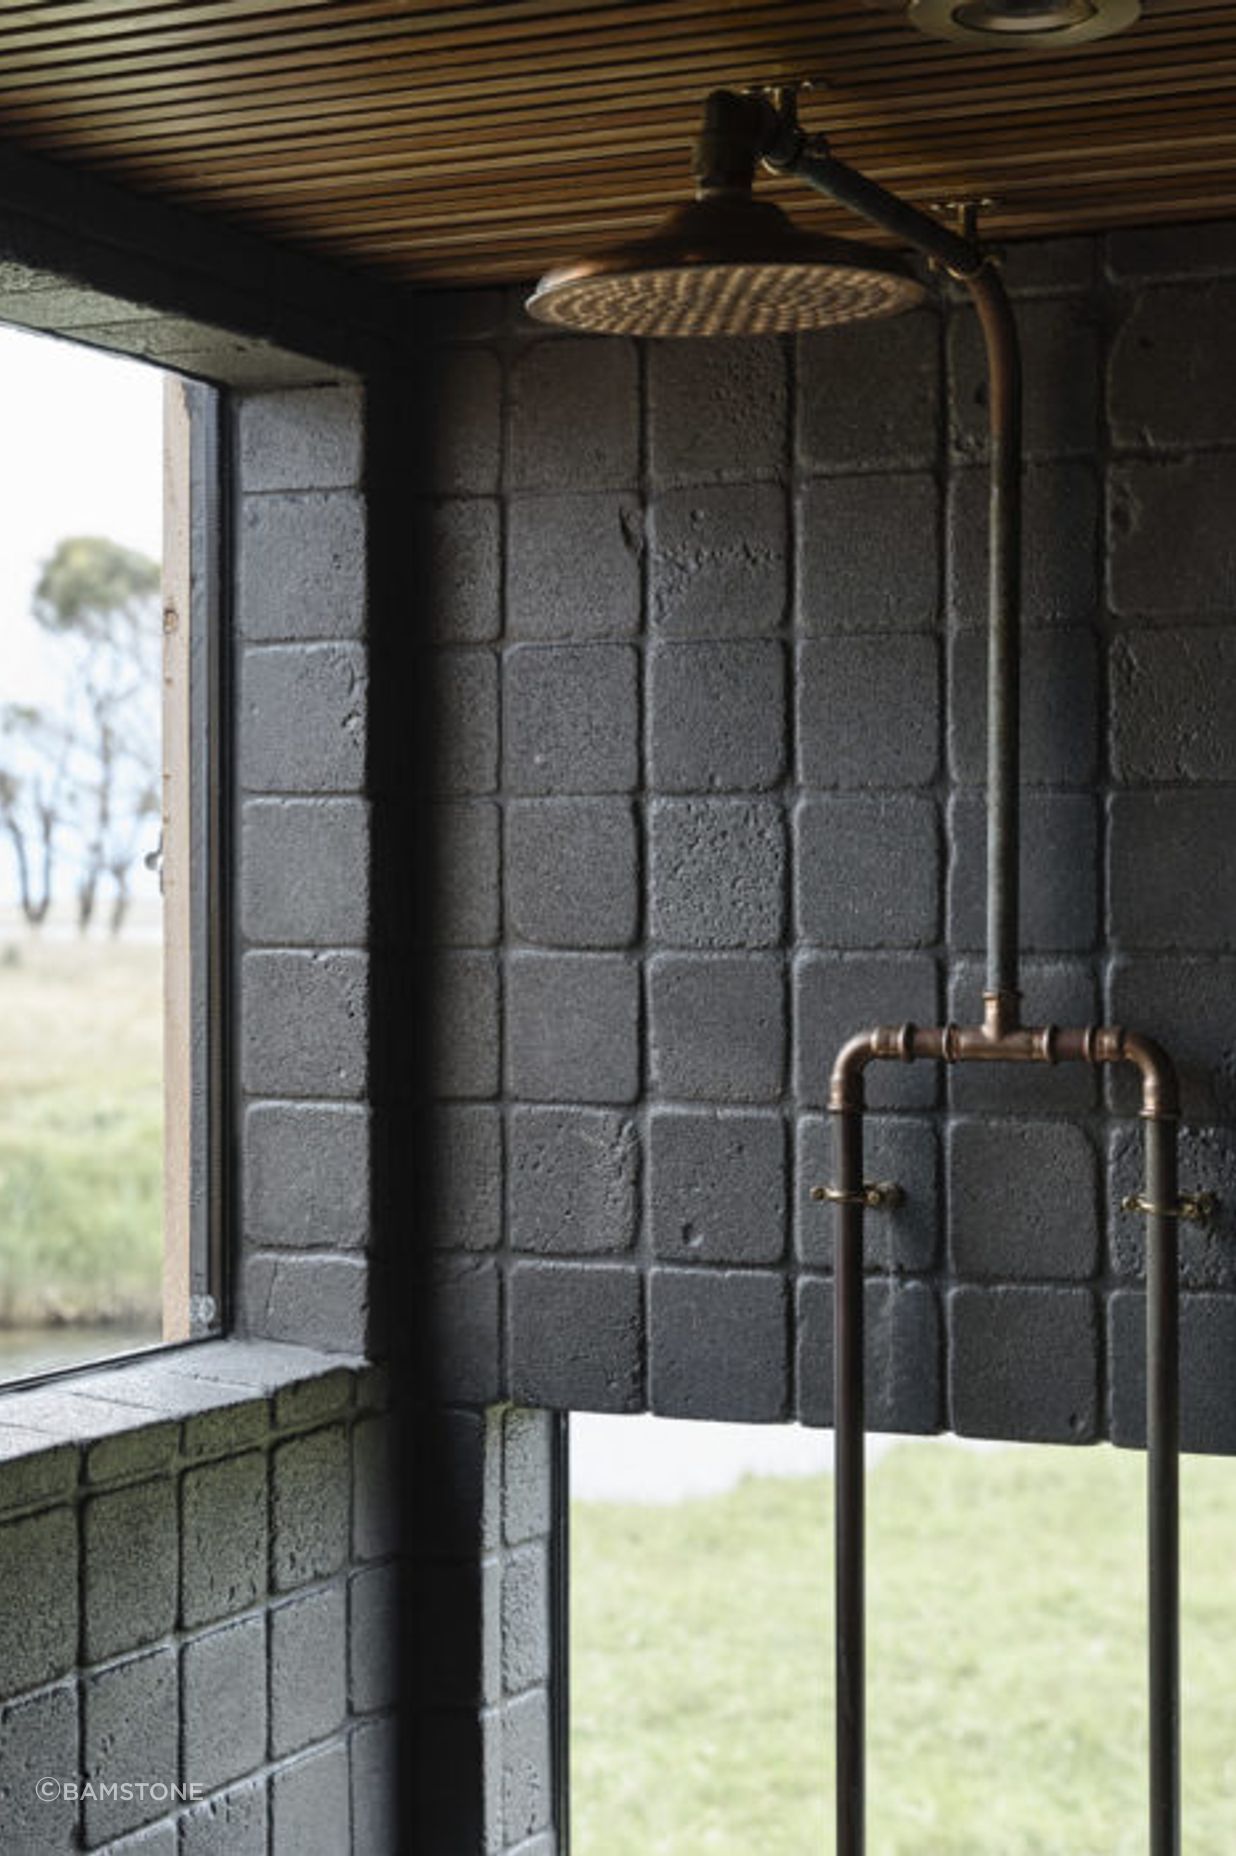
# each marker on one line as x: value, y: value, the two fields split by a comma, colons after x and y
x: 464, y: 1022
x: 130, y: 1544
x: 574, y: 416
x: 224, y: 1536
x: 38, y: 1739
x: 457, y: 446
x: 573, y: 566
x: 526, y: 1626
x: 572, y: 1027
x: 158, y: 1840
x: 375, y: 1789
x: 1061, y: 350
x: 38, y: 1637
x: 527, y: 1766
x: 373, y: 1639
x: 1049, y: 266
x: 867, y: 871
x: 306, y: 1175
x: 310, y: 1806
x: 305, y: 872
x: 231, y: 1824
x: 1187, y: 1005
x: 718, y: 1345
x: 718, y: 716
x: 717, y: 1027
x: 717, y: 1186
x: 868, y: 554
x: 716, y: 411
x: 1023, y: 1364
x: 1054, y: 992
x: 310, y: 1506
x: 466, y: 1167
x: 376, y: 1477
x: 467, y: 896
x: 223, y: 1703
x: 1173, y: 870
x: 301, y: 566
x: 1059, y: 709
x: 1059, y: 547
x: 304, y: 1024
x: 465, y: 695
x: 302, y: 718
x: 1172, y: 550
x: 570, y: 719
x: 574, y: 1176
x: 130, y: 1733
x: 897, y: 1149
x: 576, y: 1336
x: 313, y: 1301
x: 1172, y: 696
x: 836, y: 996
x: 527, y: 1476
x: 302, y: 439
x: 901, y: 1355
x: 464, y: 1312
x: 1207, y: 1164
x: 717, y: 872
x: 462, y: 1451
x: 1059, y: 872
x: 308, y: 1669
x: 1023, y: 1201
x: 460, y: 315
x: 1207, y: 1371
x: 462, y: 584
x: 1162, y: 393
x: 868, y: 394
x: 315, y: 1400
x: 868, y: 711
x: 1172, y: 251
x: 572, y: 872
x: 718, y: 561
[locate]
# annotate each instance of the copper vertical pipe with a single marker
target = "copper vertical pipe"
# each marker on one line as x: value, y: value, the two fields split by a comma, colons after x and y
x: 849, y: 1517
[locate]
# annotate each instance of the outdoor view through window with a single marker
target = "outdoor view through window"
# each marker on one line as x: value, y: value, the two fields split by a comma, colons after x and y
x: 81, y: 932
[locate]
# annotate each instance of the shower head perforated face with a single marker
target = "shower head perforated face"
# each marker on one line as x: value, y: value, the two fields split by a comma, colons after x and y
x: 726, y: 264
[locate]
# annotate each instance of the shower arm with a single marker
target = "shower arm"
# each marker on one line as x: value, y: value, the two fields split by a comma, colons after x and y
x: 738, y: 131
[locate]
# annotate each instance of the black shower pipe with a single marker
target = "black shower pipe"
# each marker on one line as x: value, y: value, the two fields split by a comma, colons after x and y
x: 739, y: 129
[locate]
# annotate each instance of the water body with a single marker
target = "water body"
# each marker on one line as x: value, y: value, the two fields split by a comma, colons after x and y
x: 25, y: 1351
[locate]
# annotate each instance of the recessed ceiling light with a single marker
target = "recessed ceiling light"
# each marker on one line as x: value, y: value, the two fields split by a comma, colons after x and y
x: 1023, y: 25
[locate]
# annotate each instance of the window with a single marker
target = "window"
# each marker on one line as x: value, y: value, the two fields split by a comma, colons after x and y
x: 102, y: 899
x: 1005, y: 1636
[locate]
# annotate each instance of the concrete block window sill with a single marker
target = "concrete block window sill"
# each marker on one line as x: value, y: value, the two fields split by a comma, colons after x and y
x: 205, y: 1399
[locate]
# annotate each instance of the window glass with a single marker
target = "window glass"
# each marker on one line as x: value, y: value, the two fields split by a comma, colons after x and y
x: 81, y: 797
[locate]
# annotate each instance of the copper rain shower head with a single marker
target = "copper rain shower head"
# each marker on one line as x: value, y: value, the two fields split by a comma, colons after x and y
x: 726, y: 263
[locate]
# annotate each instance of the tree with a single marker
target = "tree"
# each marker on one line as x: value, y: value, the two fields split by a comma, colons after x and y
x: 101, y: 599
x: 36, y: 783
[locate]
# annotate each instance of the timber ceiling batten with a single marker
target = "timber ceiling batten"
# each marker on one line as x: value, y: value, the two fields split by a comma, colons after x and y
x: 473, y: 143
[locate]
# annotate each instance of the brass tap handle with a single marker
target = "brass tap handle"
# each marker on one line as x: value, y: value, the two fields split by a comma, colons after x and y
x: 882, y: 1196
x: 1190, y: 1207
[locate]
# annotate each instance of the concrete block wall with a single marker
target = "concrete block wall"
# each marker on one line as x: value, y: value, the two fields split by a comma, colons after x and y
x: 200, y: 1594
x: 710, y: 658
x: 302, y: 916
x: 481, y: 1591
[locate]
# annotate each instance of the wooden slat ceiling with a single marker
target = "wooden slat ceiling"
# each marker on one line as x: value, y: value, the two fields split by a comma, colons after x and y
x: 480, y: 142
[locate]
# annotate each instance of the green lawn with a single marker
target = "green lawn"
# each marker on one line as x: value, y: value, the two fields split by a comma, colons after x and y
x: 81, y: 1119
x: 1006, y: 1662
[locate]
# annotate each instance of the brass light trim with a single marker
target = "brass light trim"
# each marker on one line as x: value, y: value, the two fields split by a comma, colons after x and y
x: 725, y: 264
x: 1023, y: 25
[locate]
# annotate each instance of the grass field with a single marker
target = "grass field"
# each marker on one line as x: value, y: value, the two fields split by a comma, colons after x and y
x: 81, y: 1118
x: 1006, y: 1662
